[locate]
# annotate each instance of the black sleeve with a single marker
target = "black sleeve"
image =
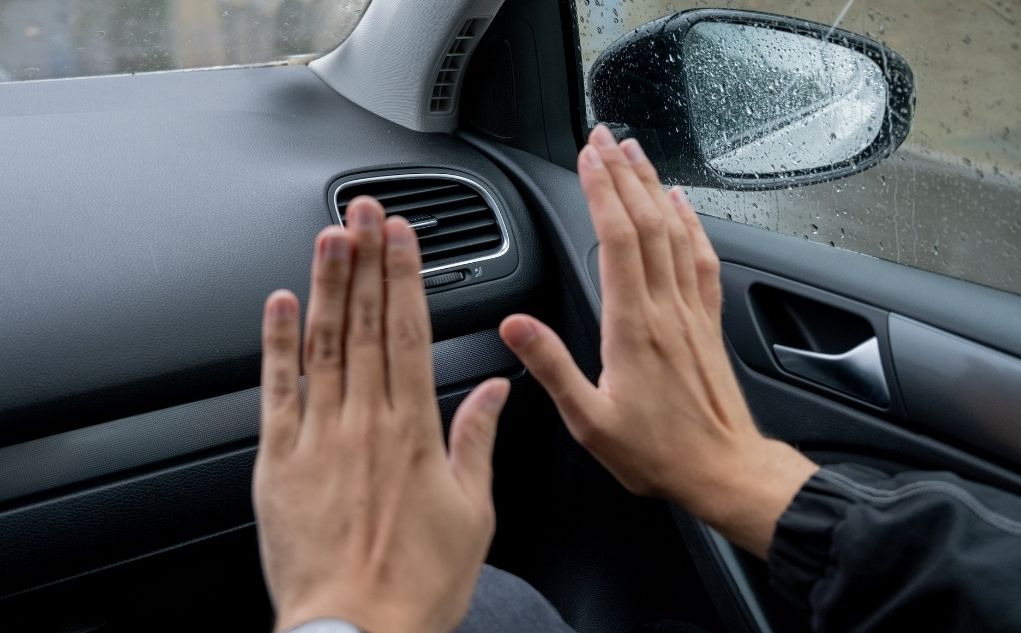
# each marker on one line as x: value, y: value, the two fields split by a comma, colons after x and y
x: 859, y: 550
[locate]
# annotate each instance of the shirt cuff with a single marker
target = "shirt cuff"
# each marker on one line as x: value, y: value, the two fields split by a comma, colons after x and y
x: 325, y: 625
x: 801, y: 548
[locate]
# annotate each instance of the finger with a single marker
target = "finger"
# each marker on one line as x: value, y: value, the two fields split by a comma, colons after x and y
x: 620, y: 260
x: 706, y: 262
x: 473, y: 435
x: 281, y: 400
x: 364, y: 353
x: 409, y: 357
x: 547, y: 358
x: 324, y: 325
x: 647, y: 217
x: 676, y: 231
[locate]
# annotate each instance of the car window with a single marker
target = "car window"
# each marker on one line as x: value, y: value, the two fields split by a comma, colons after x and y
x: 48, y: 39
x: 949, y: 200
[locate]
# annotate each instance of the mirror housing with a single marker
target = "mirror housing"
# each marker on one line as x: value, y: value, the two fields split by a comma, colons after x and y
x: 744, y: 100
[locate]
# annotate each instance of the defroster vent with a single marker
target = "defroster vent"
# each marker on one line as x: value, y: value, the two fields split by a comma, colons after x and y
x: 448, y: 78
x: 456, y: 220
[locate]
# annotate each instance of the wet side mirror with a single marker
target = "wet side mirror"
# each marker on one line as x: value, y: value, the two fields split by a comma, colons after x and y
x: 745, y: 100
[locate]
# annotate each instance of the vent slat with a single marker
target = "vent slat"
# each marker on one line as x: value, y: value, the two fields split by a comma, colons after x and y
x: 425, y: 205
x: 463, y: 227
x: 383, y: 196
x: 455, y: 246
x: 466, y: 226
x: 458, y: 212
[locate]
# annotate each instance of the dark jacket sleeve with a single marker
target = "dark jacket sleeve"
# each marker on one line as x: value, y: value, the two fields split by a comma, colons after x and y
x: 859, y: 550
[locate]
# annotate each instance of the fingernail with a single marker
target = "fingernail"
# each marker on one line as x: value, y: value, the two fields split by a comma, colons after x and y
x: 335, y: 248
x: 398, y: 236
x: 677, y: 195
x: 521, y: 334
x: 633, y: 151
x: 366, y: 218
x: 602, y: 136
x: 592, y: 157
x: 281, y: 309
x: 495, y: 397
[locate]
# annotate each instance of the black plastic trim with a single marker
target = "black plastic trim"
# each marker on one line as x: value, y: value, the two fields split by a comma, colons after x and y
x: 78, y: 456
x: 957, y: 388
x: 93, y: 529
x: 482, y: 267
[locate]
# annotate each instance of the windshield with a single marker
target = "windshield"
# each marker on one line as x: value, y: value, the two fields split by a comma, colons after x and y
x: 48, y: 39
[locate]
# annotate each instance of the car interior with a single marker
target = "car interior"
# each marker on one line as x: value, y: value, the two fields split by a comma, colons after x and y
x: 145, y: 218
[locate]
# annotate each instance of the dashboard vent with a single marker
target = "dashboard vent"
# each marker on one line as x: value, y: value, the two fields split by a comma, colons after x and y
x: 449, y: 76
x: 456, y: 219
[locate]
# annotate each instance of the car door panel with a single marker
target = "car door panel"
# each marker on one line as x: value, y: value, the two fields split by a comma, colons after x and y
x: 829, y: 426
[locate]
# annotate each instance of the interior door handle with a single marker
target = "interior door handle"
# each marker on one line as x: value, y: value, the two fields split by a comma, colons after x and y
x: 857, y: 372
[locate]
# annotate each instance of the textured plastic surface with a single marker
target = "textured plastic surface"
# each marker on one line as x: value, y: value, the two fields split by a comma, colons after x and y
x: 146, y: 218
x: 76, y: 456
x: 61, y: 537
x: 390, y: 62
x: 554, y: 195
x: 958, y: 388
x: 58, y: 537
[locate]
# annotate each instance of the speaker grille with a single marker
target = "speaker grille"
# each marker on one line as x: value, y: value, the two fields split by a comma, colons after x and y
x: 490, y: 97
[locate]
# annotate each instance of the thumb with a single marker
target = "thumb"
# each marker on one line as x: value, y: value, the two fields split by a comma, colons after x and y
x: 473, y: 434
x: 547, y: 358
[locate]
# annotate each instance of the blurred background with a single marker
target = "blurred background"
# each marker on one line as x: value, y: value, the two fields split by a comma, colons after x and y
x: 45, y: 39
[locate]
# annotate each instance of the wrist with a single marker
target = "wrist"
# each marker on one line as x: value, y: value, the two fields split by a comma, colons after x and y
x: 752, y: 491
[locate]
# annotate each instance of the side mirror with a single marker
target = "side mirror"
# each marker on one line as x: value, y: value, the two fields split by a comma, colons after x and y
x: 746, y: 100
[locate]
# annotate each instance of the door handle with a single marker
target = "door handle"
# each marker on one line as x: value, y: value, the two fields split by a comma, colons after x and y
x: 857, y: 372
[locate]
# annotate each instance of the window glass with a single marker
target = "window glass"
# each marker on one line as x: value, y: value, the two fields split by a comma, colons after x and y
x: 949, y: 200
x: 47, y: 39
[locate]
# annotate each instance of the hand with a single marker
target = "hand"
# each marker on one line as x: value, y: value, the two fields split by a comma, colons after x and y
x: 668, y: 417
x: 362, y: 515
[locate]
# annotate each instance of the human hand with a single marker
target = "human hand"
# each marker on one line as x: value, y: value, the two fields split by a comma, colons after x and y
x: 668, y: 417
x: 362, y: 515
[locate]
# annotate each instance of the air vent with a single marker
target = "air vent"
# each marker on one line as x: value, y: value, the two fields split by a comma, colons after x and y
x: 456, y: 219
x: 449, y: 76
